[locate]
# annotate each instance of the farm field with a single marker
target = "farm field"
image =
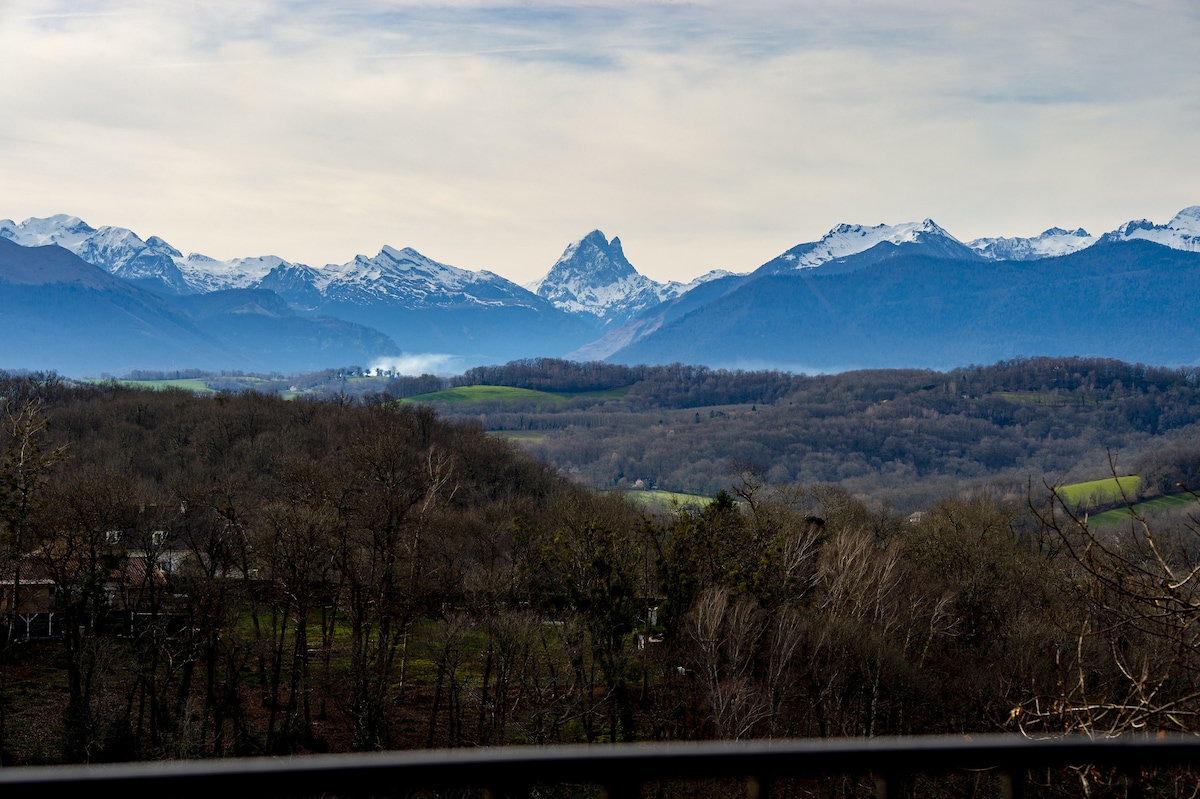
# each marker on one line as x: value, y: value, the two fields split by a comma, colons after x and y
x: 509, y: 394
x: 1150, y: 507
x: 193, y: 384
x: 1100, y: 492
x: 664, y: 500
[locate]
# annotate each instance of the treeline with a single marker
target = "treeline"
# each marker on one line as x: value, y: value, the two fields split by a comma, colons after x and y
x: 243, y: 575
x: 1105, y: 376
x: 554, y: 374
x: 673, y: 386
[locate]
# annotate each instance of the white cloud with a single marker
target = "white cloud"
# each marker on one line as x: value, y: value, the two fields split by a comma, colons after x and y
x: 415, y: 365
x: 490, y: 134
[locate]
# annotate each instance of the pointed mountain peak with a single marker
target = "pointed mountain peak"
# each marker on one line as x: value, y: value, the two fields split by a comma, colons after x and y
x: 590, y: 261
x: 596, y: 238
x: 593, y: 251
x: 929, y: 226
x: 156, y: 243
x: 594, y: 277
x: 397, y: 255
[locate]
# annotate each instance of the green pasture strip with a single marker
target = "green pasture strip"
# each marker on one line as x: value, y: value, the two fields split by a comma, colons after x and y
x: 193, y: 384
x: 1143, y: 509
x: 664, y: 499
x: 1100, y: 492
x: 465, y: 394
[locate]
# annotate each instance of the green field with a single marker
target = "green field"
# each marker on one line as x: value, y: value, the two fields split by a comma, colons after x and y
x: 194, y: 384
x: 665, y: 500
x: 1100, y: 492
x: 1143, y: 509
x: 508, y: 394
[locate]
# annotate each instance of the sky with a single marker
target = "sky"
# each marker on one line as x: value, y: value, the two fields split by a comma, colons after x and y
x: 489, y: 135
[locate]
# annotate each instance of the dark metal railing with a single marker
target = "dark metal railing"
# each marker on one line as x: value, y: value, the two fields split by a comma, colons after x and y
x: 622, y: 769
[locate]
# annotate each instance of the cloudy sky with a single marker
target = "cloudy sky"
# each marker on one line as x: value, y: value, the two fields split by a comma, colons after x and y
x: 489, y: 135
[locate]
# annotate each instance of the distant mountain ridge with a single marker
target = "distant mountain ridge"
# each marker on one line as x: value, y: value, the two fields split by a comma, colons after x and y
x: 594, y: 304
x: 1131, y: 300
x: 59, y: 312
x: 592, y: 277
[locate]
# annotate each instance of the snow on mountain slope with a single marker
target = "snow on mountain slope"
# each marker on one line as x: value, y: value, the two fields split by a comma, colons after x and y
x: 1049, y: 244
x: 208, y: 274
x: 594, y: 277
x: 846, y: 240
x: 407, y: 278
x: 65, y: 231
x: 123, y: 253
x: 1181, y: 233
x: 707, y: 277
x: 401, y: 277
x: 296, y: 283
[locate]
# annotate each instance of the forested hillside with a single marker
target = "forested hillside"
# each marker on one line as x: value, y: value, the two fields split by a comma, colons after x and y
x: 193, y: 576
x: 908, y: 436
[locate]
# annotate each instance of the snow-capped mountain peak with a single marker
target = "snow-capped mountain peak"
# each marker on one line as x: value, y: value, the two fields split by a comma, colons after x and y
x: 406, y: 278
x: 123, y: 253
x: 61, y: 229
x: 1181, y: 233
x: 847, y: 240
x: 1053, y: 242
x: 852, y: 236
x: 594, y: 277
x: 592, y: 259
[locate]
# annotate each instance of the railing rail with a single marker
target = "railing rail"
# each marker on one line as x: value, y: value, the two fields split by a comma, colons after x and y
x: 622, y: 769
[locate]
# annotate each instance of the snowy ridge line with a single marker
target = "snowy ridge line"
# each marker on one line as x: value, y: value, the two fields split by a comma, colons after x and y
x: 591, y: 277
x: 845, y: 240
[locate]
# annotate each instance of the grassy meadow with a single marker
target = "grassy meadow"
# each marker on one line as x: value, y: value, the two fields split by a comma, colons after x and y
x: 508, y: 394
x: 655, y: 499
x: 193, y: 384
x: 1100, y: 492
x: 1150, y: 507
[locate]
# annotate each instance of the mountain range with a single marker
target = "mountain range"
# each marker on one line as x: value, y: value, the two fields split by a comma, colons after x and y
x: 86, y: 300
